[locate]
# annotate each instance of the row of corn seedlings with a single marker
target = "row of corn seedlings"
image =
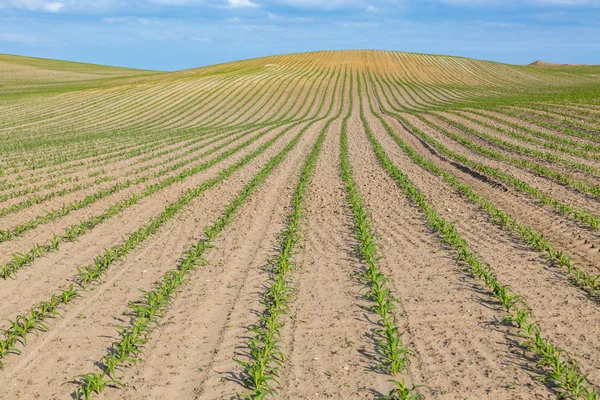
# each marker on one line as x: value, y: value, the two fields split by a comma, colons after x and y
x: 528, y: 165
x: 534, y: 239
x: 5, y: 185
x: 6, y: 235
x: 72, y: 156
x: 107, y: 154
x: 41, y: 161
x: 30, y: 187
x: 558, y: 177
x: 74, y: 231
x: 178, y: 138
x: 559, y: 113
x: 555, y: 138
x: 579, y: 214
x: 560, y: 369
x: 179, y: 135
x: 162, y: 114
x: 391, y: 348
x: 146, y: 311
x: 529, y: 139
x: 32, y: 321
x: 563, y: 126
x: 192, y: 148
x: 36, y: 199
x: 520, y: 149
x: 51, y: 216
x: 264, y: 347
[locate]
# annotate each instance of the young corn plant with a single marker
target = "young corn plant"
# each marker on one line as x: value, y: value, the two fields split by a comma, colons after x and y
x: 536, y: 240
x: 89, y: 274
x: 559, y: 369
x: 265, y: 356
x: 402, y: 392
x: 93, y: 383
x: 146, y: 311
x: 395, y: 355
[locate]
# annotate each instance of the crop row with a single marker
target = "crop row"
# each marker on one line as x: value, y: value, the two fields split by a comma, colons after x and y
x: 560, y: 369
x: 33, y: 320
x: 533, y: 238
x: 73, y: 232
x: 394, y: 354
x: 146, y: 311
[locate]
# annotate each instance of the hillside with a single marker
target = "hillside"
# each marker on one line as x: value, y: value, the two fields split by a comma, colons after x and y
x: 541, y: 63
x: 312, y: 225
x: 18, y: 74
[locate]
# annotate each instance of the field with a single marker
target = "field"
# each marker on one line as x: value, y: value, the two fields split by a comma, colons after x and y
x: 344, y: 224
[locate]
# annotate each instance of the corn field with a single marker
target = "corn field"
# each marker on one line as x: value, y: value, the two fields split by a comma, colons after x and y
x: 336, y: 224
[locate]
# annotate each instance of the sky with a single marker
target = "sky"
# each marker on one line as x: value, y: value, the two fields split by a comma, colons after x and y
x: 173, y: 35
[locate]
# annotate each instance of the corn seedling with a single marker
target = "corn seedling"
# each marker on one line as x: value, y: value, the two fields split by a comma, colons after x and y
x: 547, y: 353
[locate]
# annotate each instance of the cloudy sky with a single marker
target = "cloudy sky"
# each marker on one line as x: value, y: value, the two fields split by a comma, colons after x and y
x: 179, y: 34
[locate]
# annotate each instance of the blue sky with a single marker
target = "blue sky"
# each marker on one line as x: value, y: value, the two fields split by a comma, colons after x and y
x: 179, y: 34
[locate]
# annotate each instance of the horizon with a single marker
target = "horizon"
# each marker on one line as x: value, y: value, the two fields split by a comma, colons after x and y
x: 173, y: 35
x: 287, y: 54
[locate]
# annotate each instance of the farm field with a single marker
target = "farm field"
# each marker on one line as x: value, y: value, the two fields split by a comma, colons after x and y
x: 336, y: 224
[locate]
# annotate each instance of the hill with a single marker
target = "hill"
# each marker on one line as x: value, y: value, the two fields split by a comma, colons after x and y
x: 335, y: 224
x: 21, y: 73
x: 549, y: 64
x: 28, y: 78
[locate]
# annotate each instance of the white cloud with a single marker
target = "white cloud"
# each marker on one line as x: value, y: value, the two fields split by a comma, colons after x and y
x: 125, y: 20
x: 53, y: 6
x: 242, y: 4
x: 320, y: 4
x: 34, y: 5
x: 15, y: 38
